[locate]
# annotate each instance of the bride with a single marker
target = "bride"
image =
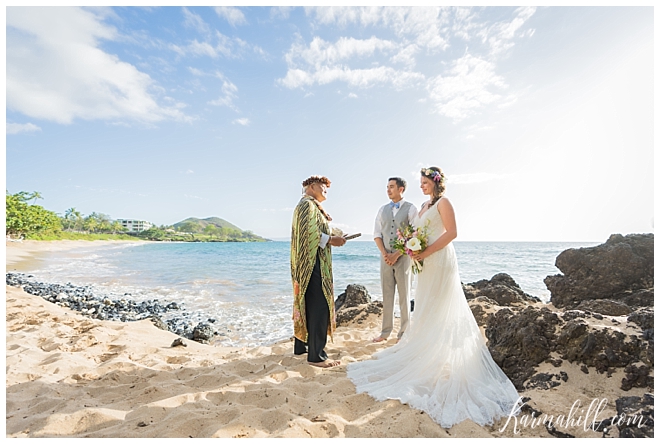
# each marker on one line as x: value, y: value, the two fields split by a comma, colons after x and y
x: 441, y: 365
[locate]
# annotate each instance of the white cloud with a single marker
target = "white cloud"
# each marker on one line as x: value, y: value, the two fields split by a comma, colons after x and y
x: 233, y: 15
x: 422, y: 24
x: 323, y: 62
x: 406, y: 55
x: 190, y: 172
x: 321, y: 52
x: 500, y: 35
x: 362, y: 78
x: 508, y: 101
x: 228, y: 47
x: 280, y: 12
x: 196, y: 72
x: 82, y: 81
x: 468, y: 82
x: 202, y: 48
x: 352, y: 96
x: 194, y: 21
x: 243, y: 121
x: 466, y: 87
x: 228, y: 94
x: 17, y: 128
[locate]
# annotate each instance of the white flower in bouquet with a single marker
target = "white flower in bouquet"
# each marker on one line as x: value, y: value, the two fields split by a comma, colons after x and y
x: 414, y: 244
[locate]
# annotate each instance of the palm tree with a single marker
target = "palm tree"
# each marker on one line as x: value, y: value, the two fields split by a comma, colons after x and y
x: 35, y: 195
x: 91, y: 223
x: 117, y: 226
x: 78, y: 218
x: 69, y: 215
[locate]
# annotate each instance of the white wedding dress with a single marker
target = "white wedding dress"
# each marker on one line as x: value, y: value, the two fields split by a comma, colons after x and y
x: 441, y: 365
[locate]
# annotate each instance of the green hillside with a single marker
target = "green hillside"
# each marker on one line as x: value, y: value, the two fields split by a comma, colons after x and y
x: 202, y: 223
x: 211, y: 229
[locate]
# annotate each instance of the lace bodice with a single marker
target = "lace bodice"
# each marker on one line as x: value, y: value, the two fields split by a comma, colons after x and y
x: 434, y: 221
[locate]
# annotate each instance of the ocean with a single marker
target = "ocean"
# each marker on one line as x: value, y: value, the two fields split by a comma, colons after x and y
x: 246, y: 287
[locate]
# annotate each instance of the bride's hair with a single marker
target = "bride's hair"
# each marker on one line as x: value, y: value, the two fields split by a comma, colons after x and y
x: 436, y: 175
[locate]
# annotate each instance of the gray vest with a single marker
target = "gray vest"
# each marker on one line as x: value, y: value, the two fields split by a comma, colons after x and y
x: 391, y: 223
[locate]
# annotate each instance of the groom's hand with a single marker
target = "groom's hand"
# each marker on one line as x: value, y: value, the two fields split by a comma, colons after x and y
x: 391, y: 258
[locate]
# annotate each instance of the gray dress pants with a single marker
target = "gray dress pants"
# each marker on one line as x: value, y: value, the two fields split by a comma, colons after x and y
x: 399, y: 277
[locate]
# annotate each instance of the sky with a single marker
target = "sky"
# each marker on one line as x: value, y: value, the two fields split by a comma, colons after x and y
x: 540, y: 117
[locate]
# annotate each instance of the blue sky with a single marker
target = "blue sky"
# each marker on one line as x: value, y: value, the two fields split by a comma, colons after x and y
x: 542, y: 118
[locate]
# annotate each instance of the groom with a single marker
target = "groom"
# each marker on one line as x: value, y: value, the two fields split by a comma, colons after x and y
x: 395, y: 269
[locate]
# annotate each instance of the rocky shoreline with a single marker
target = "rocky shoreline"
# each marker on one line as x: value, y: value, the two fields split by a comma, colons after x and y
x: 600, y: 317
x: 124, y: 309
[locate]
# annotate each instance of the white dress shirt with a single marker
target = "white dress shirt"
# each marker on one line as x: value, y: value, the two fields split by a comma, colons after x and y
x: 378, y: 226
x: 324, y: 240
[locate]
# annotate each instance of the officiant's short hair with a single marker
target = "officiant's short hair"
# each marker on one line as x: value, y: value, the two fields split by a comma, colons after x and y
x: 316, y: 179
x: 400, y: 183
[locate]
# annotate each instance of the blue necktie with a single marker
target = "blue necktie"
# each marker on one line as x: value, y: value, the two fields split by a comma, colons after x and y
x: 395, y: 205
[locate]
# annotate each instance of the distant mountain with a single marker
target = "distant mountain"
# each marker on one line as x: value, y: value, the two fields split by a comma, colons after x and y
x: 202, y: 223
x: 228, y: 230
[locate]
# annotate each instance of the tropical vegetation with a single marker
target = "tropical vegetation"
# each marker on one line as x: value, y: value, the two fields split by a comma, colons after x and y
x: 211, y: 229
x: 27, y: 220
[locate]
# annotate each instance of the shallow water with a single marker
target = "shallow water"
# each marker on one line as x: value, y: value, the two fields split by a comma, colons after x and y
x: 247, y: 286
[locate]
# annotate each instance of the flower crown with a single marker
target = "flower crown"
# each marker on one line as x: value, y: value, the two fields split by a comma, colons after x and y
x: 436, y: 176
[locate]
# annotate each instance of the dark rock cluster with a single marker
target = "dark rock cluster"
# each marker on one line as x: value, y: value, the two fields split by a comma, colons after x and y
x: 104, y: 307
x: 501, y: 289
x: 355, y: 305
x: 519, y: 341
x: 634, y: 417
x: 619, y: 270
x: 610, y: 282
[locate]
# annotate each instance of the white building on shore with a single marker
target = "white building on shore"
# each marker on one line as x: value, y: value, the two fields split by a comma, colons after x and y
x: 135, y: 226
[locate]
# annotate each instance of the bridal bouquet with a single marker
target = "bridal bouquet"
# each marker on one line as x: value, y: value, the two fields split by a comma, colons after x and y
x: 412, y: 240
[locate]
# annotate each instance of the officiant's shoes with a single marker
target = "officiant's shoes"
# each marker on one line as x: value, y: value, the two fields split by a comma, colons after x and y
x: 379, y: 339
x: 325, y: 364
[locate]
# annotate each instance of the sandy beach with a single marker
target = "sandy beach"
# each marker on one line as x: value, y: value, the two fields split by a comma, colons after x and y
x: 72, y: 376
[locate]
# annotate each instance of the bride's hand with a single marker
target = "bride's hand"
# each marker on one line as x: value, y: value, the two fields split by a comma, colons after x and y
x: 419, y: 256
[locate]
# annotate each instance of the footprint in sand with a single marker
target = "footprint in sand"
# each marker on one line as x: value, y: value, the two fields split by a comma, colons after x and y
x: 177, y: 359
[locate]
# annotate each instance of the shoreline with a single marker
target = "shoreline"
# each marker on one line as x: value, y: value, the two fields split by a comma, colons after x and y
x: 72, y: 376
x: 18, y: 252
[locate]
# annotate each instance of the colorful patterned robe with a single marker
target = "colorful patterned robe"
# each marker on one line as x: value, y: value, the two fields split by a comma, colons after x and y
x: 308, y: 224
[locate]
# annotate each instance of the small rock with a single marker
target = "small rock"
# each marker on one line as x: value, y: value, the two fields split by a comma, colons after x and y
x: 158, y: 322
x: 179, y: 342
x: 354, y: 296
x: 556, y: 363
x: 637, y: 376
x: 203, y: 333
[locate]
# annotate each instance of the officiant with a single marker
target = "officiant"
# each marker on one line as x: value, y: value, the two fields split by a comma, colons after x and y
x: 311, y: 273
